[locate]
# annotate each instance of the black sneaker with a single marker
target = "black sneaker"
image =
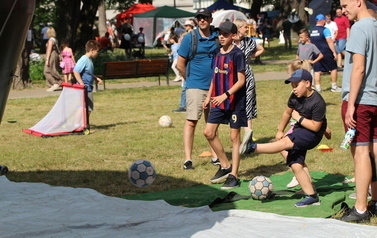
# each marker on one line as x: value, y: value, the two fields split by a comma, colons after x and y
x: 248, y: 137
x: 372, y: 208
x: 230, y: 182
x: 221, y: 174
x: 181, y: 109
x: 188, y: 165
x: 215, y: 161
x: 353, y: 216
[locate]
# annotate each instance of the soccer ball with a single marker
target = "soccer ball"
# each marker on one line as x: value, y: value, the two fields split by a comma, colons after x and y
x: 165, y: 121
x: 261, y: 187
x: 142, y: 173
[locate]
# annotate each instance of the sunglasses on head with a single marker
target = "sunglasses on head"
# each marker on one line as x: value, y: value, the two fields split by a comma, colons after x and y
x: 200, y: 17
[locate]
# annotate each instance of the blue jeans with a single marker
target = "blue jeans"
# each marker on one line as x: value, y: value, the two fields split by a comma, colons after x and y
x: 182, y: 103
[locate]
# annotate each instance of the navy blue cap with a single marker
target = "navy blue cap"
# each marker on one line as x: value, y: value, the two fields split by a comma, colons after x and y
x: 298, y: 75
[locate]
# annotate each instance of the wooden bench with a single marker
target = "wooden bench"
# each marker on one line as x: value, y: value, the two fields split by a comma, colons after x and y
x: 135, y: 69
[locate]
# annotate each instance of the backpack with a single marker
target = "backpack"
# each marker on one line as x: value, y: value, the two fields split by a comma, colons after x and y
x: 194, y: 47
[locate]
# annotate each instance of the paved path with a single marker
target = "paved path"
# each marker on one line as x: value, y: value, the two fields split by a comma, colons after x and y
x: 37, y: 93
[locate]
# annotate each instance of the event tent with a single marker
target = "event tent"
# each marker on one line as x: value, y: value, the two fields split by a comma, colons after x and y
x: 159, y: 20
x: 221, y: 15
x: 224, y: 5
x: 135, y: 9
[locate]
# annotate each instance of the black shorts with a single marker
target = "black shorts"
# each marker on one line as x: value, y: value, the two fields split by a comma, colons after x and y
x: 236, y: 119
x: 326, y: 64
x: 303, y: 140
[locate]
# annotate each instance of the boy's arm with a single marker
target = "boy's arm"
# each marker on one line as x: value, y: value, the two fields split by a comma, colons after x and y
x: 78, y: 77
x: 283, y: 122
x: 307, y: 123
x: 319, y: 57
x: 356, y: 79
x: 239, y: 84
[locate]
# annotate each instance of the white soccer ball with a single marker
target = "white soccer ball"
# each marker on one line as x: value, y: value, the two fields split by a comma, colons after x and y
x: 140, y: 39
x: 127, y: 37
x: 142, y: 173
x: 165, y: 121
x: 261, y: 188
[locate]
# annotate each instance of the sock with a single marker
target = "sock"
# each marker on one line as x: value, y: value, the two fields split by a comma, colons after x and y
x: 318, y: 87
x: 314, y: 195
x: 333, y: 85
x: 358, y: 211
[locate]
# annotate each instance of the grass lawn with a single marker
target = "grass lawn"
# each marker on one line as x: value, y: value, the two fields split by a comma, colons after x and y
x: 126, y: 127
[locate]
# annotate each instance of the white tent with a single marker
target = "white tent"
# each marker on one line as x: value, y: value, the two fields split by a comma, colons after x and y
x: 221, y: 15
x: 158, y: 20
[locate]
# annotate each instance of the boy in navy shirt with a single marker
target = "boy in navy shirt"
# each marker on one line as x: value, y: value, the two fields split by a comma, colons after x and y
x: 226, y: 98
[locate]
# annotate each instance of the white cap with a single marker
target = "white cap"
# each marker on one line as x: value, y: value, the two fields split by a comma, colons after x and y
x: 189, y: 22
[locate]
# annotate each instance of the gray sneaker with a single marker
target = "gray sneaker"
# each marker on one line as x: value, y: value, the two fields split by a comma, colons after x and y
x: 221, y: 174
x: 246, y: 139
x: 230, y: 182
x: 336, y: 89
x: 353, y: 216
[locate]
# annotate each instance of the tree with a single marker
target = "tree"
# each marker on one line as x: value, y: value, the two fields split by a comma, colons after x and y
x: 286, y: 7
x: 255, y: 8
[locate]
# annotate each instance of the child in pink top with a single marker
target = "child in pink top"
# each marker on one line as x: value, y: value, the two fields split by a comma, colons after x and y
x: 69, y: 61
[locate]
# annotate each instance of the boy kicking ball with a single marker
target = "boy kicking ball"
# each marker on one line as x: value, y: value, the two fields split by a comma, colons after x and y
x: 308, y: 108
x: 226, y: 98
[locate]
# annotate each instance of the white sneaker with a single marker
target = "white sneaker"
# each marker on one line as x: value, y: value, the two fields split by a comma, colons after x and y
x: 336, y: 89
x: 293, y: 183
x: 50, y: 89
x: 177, y: 80
x: 55, y: 86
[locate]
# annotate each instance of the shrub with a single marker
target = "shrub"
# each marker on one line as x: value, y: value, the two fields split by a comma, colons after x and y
x: 36, y: 70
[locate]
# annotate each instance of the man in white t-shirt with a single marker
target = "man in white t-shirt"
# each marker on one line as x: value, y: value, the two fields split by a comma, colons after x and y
x: 333, y: 27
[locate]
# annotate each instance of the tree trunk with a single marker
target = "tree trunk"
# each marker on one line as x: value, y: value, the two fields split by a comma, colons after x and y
x: 255, y: 8
x: 102, y: 19
x: 86, y: 29
x: 298, y: 5
x: 21, y: 78
x: 68, y: 20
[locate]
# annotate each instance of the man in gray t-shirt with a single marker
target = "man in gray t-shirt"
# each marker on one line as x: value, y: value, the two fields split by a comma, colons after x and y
x: 359, y: 108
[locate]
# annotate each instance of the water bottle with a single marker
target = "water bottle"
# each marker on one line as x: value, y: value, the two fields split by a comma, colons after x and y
x: 348, y: 139
x: 3, y: 170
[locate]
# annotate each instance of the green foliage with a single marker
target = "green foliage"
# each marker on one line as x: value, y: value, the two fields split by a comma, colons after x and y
x: 36, y: 70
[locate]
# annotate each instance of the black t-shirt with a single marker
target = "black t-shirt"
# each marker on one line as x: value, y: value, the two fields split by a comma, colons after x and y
x: 312, y: 108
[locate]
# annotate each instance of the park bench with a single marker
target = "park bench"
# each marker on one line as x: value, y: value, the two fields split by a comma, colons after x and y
x: 135, y: 69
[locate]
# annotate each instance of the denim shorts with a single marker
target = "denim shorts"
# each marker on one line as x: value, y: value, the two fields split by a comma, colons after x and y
x: 340, y: 45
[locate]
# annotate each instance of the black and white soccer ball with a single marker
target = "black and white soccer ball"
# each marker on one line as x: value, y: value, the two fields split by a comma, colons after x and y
x: 261, y: 187
x: 142, y: 173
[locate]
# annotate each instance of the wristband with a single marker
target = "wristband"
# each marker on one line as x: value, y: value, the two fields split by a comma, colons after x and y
x: 300, y: 120
x: 227, y: 94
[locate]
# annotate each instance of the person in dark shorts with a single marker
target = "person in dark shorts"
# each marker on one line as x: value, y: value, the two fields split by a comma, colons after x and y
x: 308, y: 108
x: 227, y: 99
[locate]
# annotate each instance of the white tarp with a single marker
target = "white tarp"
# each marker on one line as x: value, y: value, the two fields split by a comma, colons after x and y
x: 40, y: 210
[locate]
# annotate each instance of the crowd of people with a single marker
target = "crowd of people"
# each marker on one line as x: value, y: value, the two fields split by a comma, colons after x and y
x: 218, y: 83
x: 220, y: 95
